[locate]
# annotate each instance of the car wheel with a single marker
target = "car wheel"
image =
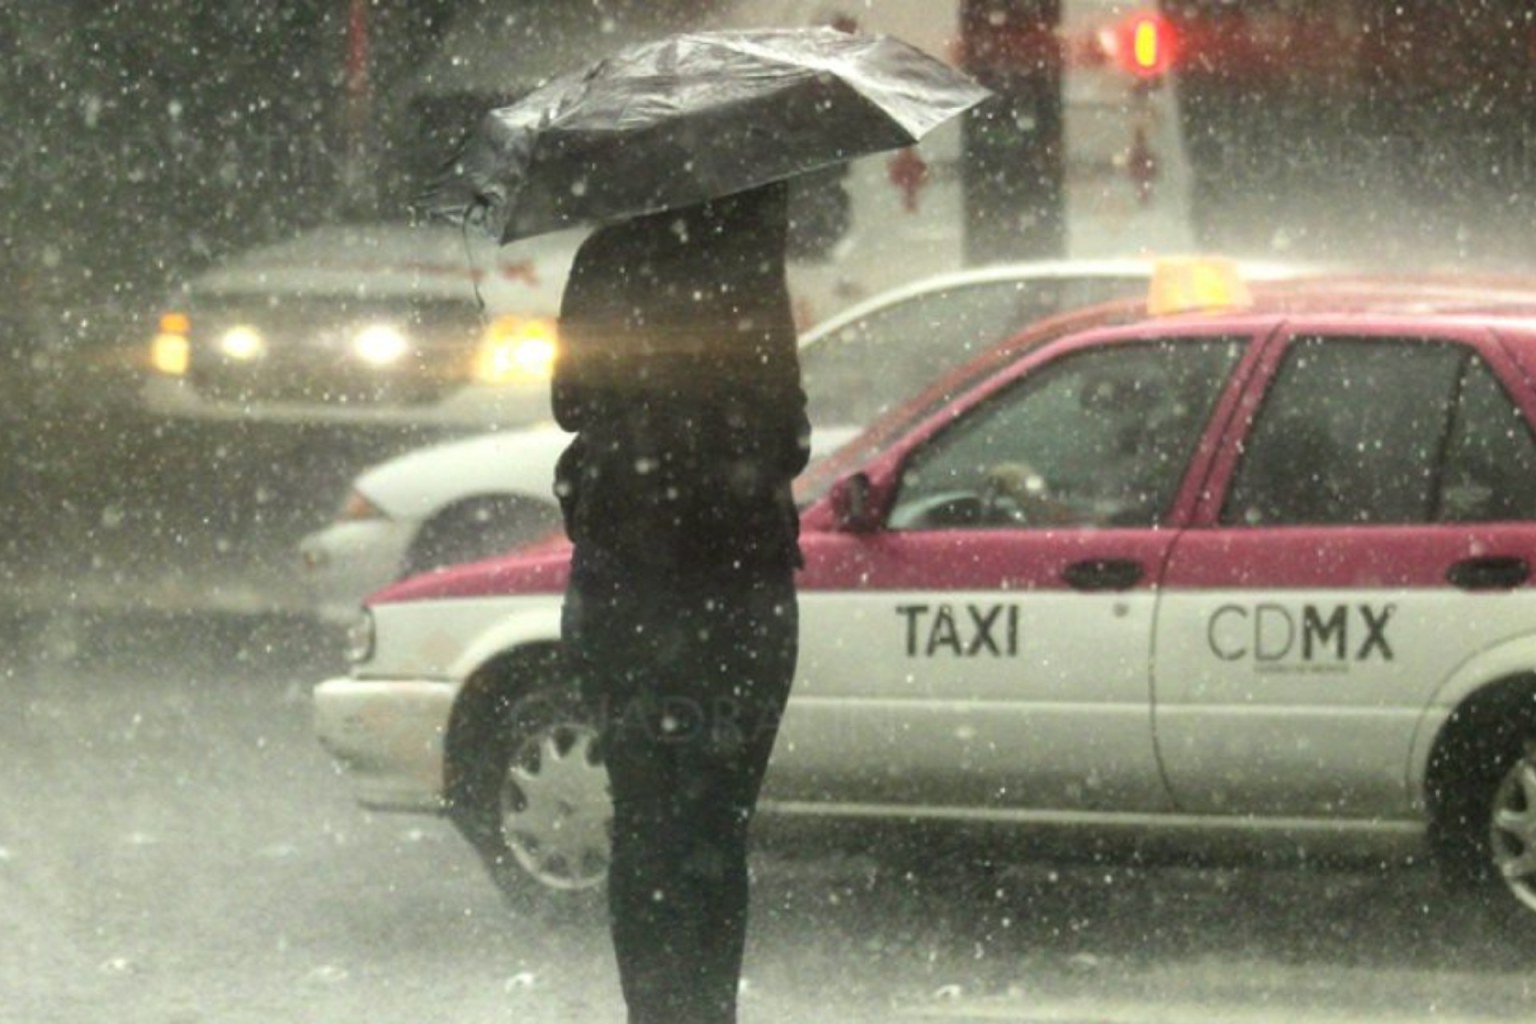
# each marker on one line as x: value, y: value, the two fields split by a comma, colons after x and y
x: 1484, y: 828
x: 1512, y: 829
x: 478, y: 528
x: 540, y: 814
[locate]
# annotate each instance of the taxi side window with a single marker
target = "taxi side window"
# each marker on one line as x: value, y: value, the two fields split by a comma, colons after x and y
x: 1490, y: 459
x: 1098, y: 438
x: 1372, y: 431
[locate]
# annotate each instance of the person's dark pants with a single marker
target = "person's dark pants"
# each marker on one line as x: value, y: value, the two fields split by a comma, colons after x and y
x: 690, y: 679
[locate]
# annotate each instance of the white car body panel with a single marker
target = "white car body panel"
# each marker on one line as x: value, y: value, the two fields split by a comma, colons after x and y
x: 994, y: 724
x: 448, y: 640
x: 413, y: 486
x: 1511, y: 658
x: 979, y: 736
x: 387, y: 737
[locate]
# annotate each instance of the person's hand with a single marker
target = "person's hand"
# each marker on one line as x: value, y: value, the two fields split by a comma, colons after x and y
x: 1016, y: 492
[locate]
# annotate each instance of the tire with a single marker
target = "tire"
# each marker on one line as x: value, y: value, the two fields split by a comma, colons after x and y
x: 1483, y: 831
x: 477, y: 528
x: 535, y: 802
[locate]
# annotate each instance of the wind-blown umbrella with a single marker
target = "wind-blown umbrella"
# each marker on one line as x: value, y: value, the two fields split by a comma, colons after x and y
x: 692, y: 117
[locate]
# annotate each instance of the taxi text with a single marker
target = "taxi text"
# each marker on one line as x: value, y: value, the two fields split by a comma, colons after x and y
x: 962, y: 631
x: 1311, y: 633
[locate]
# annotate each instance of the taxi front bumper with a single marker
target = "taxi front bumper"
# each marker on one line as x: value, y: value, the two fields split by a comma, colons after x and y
x: 386, y: 736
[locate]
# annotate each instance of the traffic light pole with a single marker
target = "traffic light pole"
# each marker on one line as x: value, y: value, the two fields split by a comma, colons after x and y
x: 1012, y: 159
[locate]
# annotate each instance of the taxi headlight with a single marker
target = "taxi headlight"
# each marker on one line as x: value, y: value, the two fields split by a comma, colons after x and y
x: 360, y: 636
x: 517, y: 350
x: 242, y: 343
x: 170, y: 351
x: 380, y: 344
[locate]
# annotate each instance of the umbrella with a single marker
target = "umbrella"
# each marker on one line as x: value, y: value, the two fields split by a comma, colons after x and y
x: 692, y: 117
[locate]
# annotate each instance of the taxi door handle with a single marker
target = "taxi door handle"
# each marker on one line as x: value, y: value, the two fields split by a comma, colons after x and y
x: 1104, y: 574
x: 1493, y: 573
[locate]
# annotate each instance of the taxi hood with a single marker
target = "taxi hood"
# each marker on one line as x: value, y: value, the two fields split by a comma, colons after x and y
x: 540, y: 568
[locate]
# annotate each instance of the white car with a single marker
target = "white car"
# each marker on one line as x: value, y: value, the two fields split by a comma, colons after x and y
x: 476, y: 497
x: 366, y: 325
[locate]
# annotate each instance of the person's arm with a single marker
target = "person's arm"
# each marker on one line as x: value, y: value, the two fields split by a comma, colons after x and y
x: 796, y: 459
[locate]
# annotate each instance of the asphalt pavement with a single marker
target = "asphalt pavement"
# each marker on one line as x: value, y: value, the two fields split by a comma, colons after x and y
x: 175, y: 848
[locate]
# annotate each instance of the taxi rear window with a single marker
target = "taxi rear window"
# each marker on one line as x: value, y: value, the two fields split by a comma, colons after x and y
x: 1384, y: 431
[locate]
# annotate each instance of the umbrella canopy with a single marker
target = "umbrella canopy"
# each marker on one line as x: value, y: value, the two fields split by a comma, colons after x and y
x: 692, y: 117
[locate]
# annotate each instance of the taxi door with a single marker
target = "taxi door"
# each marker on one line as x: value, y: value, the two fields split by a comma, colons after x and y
x: 989, y: 646
x: 1372, y: 531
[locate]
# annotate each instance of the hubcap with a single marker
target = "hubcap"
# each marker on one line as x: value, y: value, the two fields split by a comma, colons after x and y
x: 1513, y: 830
x: 556, y: 813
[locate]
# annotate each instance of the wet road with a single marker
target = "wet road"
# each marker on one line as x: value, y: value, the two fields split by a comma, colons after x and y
x: 174, y: 848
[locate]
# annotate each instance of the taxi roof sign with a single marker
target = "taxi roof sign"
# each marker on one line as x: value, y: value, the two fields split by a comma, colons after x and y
x: 1193, y: 283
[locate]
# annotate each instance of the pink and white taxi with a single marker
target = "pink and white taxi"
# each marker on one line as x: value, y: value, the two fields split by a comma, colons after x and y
x: 1253, y: 577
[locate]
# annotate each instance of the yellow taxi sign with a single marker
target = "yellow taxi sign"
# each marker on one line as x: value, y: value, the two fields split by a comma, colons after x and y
x: 1192, y: 283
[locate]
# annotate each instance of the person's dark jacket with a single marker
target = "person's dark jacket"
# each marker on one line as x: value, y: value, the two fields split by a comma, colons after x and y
x: 679, y: 375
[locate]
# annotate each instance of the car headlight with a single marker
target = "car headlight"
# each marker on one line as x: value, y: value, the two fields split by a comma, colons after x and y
x: 380, y: 344
x: 360, y: 635
x: 242, y: 343
x: 170, y: 352
x: 517, y: 350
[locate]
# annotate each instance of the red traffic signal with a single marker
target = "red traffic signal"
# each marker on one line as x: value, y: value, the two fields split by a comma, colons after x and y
x: 1144, y: 44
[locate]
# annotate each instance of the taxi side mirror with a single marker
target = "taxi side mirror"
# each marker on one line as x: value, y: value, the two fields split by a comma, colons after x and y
x: 851, y: 505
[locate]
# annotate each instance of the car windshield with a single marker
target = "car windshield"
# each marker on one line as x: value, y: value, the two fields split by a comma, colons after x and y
x: 1187, y: 675
x: 917, y: 338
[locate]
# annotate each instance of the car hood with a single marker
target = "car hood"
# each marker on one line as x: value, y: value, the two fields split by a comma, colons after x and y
x: 393, y: 262
x: 412, y: 486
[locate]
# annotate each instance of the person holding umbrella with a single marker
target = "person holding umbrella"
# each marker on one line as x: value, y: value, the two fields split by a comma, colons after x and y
x: 679, y: 377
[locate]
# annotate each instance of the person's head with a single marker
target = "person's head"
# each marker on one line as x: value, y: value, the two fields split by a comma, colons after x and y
x: 756, y: 212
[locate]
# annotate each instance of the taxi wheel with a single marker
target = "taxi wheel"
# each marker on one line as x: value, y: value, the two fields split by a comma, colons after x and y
x: 1484, y: 831
x: 541, y: 817
x: 1512, y: 834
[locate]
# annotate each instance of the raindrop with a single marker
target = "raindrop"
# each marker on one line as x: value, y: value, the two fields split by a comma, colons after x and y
x: 328, y: 974
x: 522, y: 979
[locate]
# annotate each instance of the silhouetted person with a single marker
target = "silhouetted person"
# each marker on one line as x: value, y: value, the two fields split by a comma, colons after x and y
x: 679, y: 376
